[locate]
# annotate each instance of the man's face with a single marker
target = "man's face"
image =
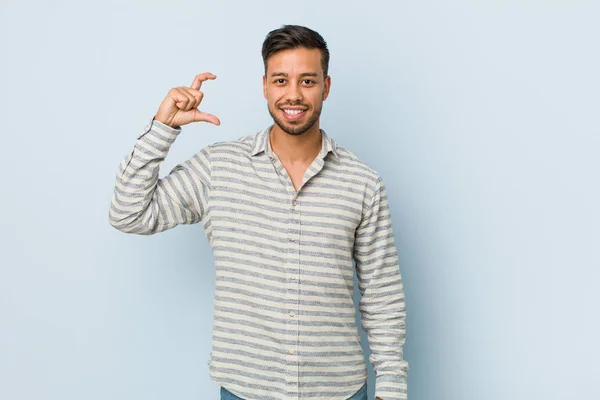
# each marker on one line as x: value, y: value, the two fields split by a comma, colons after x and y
x: 295, y: 89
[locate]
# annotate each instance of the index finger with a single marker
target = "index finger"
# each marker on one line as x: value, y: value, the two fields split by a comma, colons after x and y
x: 201, y: 78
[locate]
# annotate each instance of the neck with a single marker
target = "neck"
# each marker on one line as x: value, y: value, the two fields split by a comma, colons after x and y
x: 292, y: 149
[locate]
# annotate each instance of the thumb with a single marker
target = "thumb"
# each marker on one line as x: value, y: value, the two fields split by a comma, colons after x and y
x: 202, y: 116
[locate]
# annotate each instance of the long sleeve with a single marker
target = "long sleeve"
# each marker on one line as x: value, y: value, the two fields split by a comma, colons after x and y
x: 382, y: 304
x: 144, y: 204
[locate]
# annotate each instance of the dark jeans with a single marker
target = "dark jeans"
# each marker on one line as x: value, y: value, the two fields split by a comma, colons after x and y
x: 360, y: 395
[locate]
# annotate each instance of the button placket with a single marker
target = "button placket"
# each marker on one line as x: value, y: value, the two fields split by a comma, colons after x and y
x: 292, y: 268
x: 293, y: 233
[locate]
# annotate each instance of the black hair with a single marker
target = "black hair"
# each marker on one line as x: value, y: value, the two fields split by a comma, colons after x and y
x: 293, y: 37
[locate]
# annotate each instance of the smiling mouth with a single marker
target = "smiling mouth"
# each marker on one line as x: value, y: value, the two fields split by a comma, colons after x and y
x: 292, y: 114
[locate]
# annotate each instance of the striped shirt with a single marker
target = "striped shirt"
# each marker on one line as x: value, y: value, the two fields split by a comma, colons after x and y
x: 284, y: 317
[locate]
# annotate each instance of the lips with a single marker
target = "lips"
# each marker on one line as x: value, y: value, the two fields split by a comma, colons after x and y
x: 293, y: 113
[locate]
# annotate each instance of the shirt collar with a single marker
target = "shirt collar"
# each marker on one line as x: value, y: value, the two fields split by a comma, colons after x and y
x: 261, y: 143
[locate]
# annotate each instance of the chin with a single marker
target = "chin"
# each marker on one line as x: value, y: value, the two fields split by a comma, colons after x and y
x: 294, y: 129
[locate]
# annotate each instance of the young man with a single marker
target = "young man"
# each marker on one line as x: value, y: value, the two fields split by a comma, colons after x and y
x: 286, y: 211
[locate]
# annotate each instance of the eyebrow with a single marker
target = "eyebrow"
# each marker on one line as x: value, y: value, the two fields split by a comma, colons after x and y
x: 301, y: 75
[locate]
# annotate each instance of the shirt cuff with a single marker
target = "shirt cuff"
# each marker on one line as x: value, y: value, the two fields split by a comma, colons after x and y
x: 390, y: 387
x: 161, y: 127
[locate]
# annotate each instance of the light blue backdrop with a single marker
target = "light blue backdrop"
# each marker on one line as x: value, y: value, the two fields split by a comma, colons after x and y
x: 481, y: 116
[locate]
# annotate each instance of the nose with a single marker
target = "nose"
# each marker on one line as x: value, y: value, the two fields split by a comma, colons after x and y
x: 294, y: 94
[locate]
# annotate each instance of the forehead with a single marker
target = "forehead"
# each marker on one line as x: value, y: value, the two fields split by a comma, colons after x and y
x: 295, y: 61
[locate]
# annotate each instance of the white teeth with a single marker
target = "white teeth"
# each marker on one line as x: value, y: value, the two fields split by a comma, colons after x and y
x: 293, y: 112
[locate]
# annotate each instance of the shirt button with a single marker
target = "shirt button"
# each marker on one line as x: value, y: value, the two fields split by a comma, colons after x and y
x: 294, y: 202
x: 292, y: 314
x: 292, y: 352
x: 292, y: 277
x: 291, y: 239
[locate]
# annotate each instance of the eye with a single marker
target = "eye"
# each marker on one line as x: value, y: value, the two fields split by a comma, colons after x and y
x: 309, y: 81
x: 280, y: 80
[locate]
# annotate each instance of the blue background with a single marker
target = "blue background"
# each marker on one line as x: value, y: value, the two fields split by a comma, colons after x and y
x: 481, y: 116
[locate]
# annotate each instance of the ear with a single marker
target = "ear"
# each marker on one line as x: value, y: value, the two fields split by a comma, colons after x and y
x: 327, y: 87
x: 265, y: 86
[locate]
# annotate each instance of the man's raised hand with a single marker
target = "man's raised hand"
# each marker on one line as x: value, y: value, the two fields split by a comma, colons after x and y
x: 180, y: 107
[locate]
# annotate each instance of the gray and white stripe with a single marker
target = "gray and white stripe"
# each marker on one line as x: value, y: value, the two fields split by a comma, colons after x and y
x: 284, y: 317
